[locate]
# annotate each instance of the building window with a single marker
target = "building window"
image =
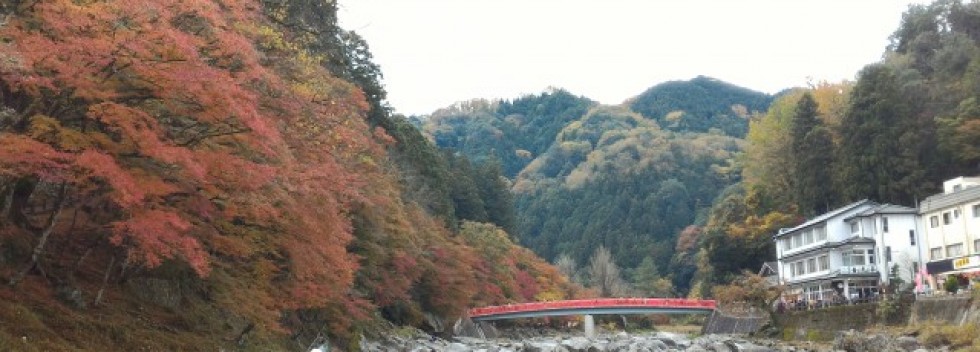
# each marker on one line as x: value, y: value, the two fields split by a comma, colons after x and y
x: 954, y: 250
x: 871, y: 256
x: 786, y: 244
x: 946, y: 219
x: 854, y: 228
x: 976, y: 210
x: 821, y: 233
x: 811, y: 265
x: 936, y: 253
x: 853, y: 258
x: 797, y: 240
x: 912, y: 237
x: 884, y: 225
x: 976, y: 246
x: 824, y: 262
x: 808, y: 236
x: 956, y: 213
x: 933, y: 221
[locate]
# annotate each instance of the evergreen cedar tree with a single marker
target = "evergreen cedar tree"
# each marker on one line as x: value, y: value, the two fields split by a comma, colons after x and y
x: 201, y: 136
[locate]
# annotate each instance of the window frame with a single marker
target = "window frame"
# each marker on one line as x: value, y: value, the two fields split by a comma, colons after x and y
x: 823, y: 263
x: 954, y: 250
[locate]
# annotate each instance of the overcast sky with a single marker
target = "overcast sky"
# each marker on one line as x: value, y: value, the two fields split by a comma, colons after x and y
x: 434, y: 53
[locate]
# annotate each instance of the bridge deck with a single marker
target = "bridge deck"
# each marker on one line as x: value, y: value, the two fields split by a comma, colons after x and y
x: 594, y: 306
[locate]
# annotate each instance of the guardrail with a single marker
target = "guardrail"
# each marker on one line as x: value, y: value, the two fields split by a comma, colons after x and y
x: 595, y: 303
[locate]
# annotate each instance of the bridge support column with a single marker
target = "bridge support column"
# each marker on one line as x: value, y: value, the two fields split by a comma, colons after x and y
x: 589, y: 323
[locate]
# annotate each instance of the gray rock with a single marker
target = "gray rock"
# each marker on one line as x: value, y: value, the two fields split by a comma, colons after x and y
x: 662, y: 345
x: 576, y: 344
x: 907, y: 343
x: 538, y: 346
x: 458, y: 347
x: 718, y: 346
x: 745, y: 346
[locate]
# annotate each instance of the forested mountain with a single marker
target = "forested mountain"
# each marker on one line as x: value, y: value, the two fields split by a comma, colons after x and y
x: 201, y: 175
x: 586, y: 175
x: 700, y: 105
x: 616, y: 179
x: 511, y: 132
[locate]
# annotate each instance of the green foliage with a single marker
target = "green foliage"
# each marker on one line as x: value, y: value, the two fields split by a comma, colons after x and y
x: 813, y: 153
x: 633, y: 192
x: 512, y: 132
x: 648, y: 281
x: 700, y: 105
x: 952, y: 284
x: 880, y: 142
x: 768, y: 159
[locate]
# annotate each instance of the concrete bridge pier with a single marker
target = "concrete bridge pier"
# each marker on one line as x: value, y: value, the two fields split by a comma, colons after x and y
x: 589, y: 323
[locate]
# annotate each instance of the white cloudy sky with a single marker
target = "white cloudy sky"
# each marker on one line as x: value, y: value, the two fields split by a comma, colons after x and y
x: 437, y: 52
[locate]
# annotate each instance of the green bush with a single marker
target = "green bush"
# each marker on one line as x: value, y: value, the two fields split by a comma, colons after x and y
x: 951, y: 285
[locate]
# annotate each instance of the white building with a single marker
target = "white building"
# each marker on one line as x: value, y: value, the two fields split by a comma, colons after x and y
x: 950, y: 222
x: 894, y: 230
x: 837, y: 255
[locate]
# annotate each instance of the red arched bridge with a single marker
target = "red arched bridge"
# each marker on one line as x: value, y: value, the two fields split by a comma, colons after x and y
x: 599, y: 306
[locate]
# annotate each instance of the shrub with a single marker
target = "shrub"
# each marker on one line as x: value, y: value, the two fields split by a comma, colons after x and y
x: 951, y: 285
x: 954, y: 336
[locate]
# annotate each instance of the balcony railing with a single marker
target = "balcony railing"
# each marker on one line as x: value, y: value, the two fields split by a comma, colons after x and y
x: 858, y: 269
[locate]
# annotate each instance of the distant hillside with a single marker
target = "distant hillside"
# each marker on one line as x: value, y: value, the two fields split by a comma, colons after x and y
x: 700, y: 104
x: 628, y: 177
x: 512, y: 132
x: 616, y: 179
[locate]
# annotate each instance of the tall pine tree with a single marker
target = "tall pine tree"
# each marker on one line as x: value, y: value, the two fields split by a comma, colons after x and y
x: 812, y: 158
x: 879, y: 153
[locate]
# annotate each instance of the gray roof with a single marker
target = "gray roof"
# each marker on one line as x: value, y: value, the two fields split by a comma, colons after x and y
x: 884, y: 209
x: 824, y: 217
x: 945, y: 200
x: 772, y: 266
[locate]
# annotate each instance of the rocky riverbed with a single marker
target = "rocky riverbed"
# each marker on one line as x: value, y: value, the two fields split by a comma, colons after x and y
x: 641, y: 342
x: 654, y: 341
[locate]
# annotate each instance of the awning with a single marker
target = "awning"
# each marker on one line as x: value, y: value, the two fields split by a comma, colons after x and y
x: 969, y: 272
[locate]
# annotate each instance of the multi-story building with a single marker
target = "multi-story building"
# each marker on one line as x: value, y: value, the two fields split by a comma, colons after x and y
x: 837, y: 255
x: 950, y: 222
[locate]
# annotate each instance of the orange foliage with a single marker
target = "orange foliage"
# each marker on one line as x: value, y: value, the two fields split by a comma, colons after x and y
x: 180, y: 141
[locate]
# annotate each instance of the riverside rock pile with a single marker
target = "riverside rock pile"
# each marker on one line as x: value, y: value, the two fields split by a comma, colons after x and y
x: 651, y: 342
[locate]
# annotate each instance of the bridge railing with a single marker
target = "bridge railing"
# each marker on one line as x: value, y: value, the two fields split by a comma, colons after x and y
x: 595, y: 303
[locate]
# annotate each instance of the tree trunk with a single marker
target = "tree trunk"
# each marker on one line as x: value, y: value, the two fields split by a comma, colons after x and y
x: 105, y: 280
x: 45, y: 233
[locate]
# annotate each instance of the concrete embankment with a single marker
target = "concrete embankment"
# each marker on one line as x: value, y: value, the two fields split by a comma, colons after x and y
x: 952, y: 309
x: 727, y: 323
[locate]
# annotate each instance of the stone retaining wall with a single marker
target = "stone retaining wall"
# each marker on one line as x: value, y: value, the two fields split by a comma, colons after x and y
x: 721, y: 323
x: 823, y: 324
x: 957, y: 310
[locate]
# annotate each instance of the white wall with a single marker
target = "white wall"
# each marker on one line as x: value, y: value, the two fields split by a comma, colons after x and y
x: 897, y: 238
x: 963, y: 229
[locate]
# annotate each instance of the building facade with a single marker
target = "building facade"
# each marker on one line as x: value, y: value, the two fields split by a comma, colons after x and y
x: 950, y: 222
x: 847, y: 253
